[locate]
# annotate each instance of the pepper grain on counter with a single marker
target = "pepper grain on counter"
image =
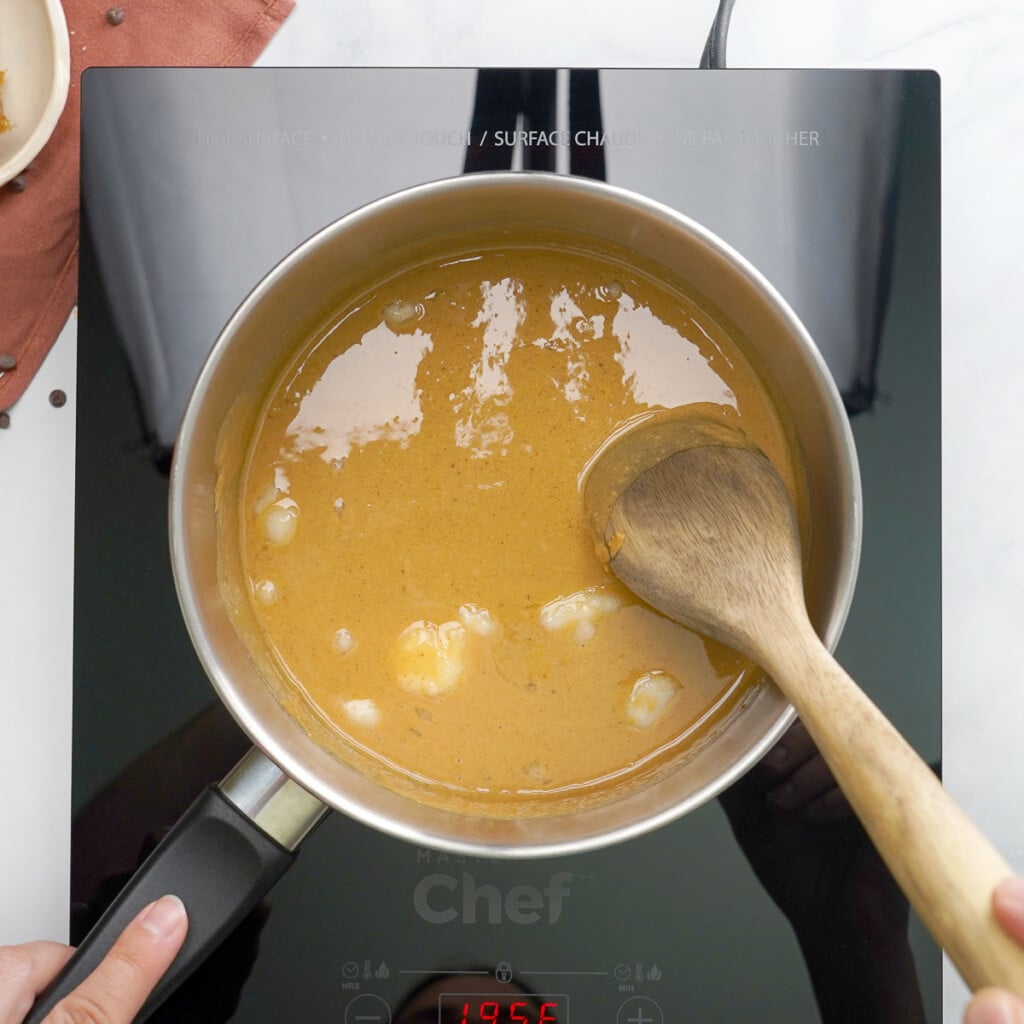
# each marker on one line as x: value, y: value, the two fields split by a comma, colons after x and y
x: 414, y: 540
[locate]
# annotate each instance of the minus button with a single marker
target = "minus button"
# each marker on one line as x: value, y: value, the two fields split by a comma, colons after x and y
x: 368, y: 1009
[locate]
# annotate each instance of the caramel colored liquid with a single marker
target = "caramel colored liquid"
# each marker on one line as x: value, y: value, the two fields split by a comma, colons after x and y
x: 416, y: 548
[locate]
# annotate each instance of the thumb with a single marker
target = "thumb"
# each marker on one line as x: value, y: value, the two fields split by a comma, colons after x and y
x: 994, y: 1006
x: 115, y: 992
x: 1008, y: 907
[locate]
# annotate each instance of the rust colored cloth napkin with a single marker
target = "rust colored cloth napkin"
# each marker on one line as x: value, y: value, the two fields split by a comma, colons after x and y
x: 39, y: 223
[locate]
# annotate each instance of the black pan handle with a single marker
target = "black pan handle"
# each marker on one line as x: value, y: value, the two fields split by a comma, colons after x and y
x: 217, y: 859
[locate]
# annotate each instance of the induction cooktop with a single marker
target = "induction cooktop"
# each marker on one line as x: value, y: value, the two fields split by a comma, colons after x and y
x: 195, y: 183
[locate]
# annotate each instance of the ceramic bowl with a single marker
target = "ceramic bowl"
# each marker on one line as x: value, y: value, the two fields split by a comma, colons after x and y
x: 36, y: 60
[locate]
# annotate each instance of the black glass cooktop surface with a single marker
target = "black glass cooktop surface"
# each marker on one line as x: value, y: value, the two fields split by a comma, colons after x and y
x: 195, y: 183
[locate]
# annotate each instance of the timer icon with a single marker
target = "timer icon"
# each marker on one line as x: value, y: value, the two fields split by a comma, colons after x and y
x: 503, y: 972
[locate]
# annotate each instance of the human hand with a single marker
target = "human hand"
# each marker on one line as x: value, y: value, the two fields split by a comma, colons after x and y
x: 212, y: 992
x: 995, y: 1005
x: 115, y: 992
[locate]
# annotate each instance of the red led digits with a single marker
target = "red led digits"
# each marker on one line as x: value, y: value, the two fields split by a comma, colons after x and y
x: 489, y: 1011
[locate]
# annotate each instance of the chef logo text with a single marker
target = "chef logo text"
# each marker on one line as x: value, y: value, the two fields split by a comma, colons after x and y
x: 443, y: 898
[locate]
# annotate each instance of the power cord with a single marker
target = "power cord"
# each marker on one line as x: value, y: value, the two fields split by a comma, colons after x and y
x: 714, y: 49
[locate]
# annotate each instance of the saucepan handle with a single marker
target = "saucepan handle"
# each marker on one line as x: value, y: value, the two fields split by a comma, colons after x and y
x: 221, y: 858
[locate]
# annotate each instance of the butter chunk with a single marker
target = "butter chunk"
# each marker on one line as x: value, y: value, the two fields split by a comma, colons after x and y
x: 479, y: 621
x: 650, y: 696
x: 280, y: 523
x: 429, y: 659
x: 361, y: 712
x: 588, y: 605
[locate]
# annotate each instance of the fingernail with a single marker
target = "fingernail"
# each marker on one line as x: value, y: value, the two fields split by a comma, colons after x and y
x: 992, y: 1007
x: 164, y: 917
x: 1011, y: 893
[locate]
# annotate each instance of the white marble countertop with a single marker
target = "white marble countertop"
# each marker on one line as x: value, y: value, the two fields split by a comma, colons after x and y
x: 976, y: 49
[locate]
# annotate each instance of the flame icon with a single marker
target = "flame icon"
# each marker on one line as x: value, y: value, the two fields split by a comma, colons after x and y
x: 654, y: 974
x: 383, y: 971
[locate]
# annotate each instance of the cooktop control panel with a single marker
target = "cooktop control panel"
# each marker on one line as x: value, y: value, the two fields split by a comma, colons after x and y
x: 499, y: 995
x: 481, y: 998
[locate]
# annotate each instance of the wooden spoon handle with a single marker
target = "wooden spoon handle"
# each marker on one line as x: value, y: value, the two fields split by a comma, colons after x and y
x: 942, y: 862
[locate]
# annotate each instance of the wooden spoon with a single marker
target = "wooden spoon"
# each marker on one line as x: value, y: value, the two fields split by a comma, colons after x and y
x: 708, y: 536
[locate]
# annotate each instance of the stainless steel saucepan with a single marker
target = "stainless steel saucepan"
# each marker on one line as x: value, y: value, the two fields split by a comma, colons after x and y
x: 242, y: 833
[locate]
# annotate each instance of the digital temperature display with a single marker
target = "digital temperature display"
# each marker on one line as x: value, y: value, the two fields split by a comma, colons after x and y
x: 457, y: 1008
